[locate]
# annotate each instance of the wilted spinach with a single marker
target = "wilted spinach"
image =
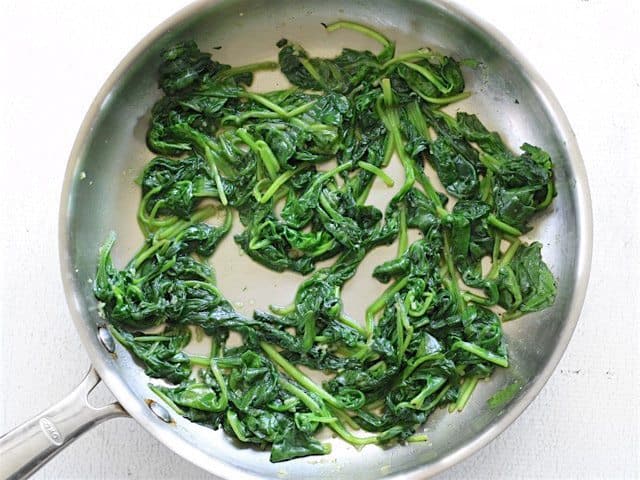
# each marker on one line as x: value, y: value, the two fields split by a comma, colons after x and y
x: 425, y: 342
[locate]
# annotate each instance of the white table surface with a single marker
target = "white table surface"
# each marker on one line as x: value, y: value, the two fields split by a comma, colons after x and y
x: 56, y: 55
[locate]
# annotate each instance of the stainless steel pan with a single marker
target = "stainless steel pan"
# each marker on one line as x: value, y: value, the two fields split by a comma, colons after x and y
x: 99, y: 195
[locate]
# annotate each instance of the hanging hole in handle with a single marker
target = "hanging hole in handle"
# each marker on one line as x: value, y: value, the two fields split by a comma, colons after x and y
x: 99, y: 396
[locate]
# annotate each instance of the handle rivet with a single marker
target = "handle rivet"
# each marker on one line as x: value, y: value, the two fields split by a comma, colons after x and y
x: 106, y: 340
x: 159, y: 411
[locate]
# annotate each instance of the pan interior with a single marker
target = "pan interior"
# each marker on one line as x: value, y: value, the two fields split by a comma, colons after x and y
x: 104, y: 197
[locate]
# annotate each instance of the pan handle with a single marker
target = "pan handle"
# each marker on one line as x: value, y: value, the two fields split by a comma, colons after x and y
x: 29, y: 446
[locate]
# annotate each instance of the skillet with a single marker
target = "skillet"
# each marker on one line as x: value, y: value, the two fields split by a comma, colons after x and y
x: 110, y: 150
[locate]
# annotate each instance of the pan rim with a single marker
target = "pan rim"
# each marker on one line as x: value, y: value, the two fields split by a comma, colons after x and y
x: 132, y: 403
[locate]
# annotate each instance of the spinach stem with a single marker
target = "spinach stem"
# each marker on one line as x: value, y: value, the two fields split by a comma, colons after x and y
x: 376, y: 171
x: 251, y: 67
x: 453, y: 275
x: 381, y: 301
x: 429, y: 75
x: 152, y: 338
x: 199, y: 360
x: 313, y: 72
x: 275, y: 186
x: 267, y: 103
x: 548, y: 198
x: 480, y: 352
x: 478, y: 299
x: 494, y: 221
x: 427, y: 391
x: 506, y: 258
x: 166, y: 399
x: 431, y: 193
x: 361, y: 29
x: 417, y: 438
x: 335, y: 425
x: 352, y: 324
x: 389, y: 116
x: 387, y: 92
x: 263, y: 150
x: 420, y: 54
x: 386, y: 159
x: 466, y: 390
x: 294, y: 112
x: 419, y: 312
x: 444, y: 100
x: 282, y: 311
x: 298, y: 376
x: 403, y: 234
x: 145, y: 221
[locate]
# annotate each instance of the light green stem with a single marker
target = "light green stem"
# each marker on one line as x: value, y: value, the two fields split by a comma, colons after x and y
x: 277, y: 183
x: 481, y: 352
x: 298, y: 376
x: 444, y: 100
x: 494, y: 221
x: 381, y: 301
x: 403, y: 234
x: 467, y: 389
x: 361, y: 29
x: 428, y: 74
x: 252, y: 67
x: 377, y: 172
